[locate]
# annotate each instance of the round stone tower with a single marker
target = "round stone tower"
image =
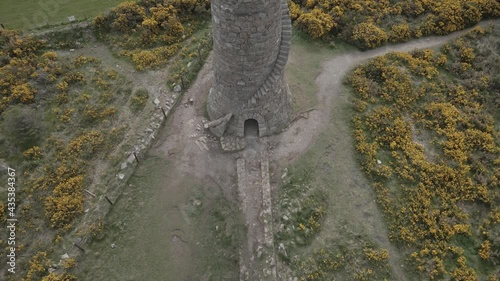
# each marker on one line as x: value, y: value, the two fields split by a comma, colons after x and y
x: 251, y: 46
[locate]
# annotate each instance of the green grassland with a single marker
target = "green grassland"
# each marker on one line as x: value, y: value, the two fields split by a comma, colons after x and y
x: 30, y: 14
x: 304, y: 66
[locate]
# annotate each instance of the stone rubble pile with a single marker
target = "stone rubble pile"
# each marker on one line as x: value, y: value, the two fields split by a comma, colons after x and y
x: 232, y: 143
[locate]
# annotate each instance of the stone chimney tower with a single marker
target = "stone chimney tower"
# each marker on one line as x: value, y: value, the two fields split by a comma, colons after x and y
x: 251, y: 47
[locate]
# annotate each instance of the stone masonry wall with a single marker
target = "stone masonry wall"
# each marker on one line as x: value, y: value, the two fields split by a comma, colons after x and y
x: 251, y: 46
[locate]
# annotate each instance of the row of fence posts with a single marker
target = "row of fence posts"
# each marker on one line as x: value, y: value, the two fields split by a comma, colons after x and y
x: 77, y: 245
x: 200, y: 61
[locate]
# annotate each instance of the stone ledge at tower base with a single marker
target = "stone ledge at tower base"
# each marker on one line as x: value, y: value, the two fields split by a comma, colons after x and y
x: 218, y: 127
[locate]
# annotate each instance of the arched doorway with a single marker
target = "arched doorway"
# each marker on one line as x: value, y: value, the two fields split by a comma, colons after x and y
x: 251, y: 128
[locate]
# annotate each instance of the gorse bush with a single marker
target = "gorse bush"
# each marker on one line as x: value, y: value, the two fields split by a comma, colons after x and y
x: 425, y: 128
x: 149, y: 32
x: 59, y: 277
x: 21, y: 65
x: 369, y: 24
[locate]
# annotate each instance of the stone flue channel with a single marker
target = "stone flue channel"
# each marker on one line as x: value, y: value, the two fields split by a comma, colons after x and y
x: 257, y: 256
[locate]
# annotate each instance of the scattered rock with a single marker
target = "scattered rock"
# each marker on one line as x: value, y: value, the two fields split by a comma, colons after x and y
x: 121, y: 176
x: 285, y: 173
x: 124, y: 165
x: 189, y: 64
x: 113, y: 245
x: 51, y: 270
x: 197, y: 203
x: 259, y: 251
x: 379, y: 162
x: 177, y: 88
x: 131, y: 158
x: 157, y: 102
x: 65, y: 256
x: 71, y: 50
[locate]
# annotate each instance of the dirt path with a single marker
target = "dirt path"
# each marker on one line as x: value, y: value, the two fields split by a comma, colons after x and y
x: 301, y: 133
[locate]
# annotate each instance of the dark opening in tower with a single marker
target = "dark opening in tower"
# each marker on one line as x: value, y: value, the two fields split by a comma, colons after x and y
x: 251, y: 128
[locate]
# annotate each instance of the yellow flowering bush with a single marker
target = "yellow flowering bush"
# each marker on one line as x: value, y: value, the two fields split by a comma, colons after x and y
x: 59, y: 277
x: 368, y: 24
x: 34, y: 153
x: 431, y: 131
x: 368, y: 35
x: 316, y: 22
x: 65, y: 203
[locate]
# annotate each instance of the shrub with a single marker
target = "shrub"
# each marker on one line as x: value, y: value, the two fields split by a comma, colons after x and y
x: 22, y: 126
x: 59, y: 277
x: 34, y: 153
x: 316, y: 22
x: 138, y: 101
x: 65, y: 203
x: 368, y: 35
x: 400, y: 33
x: 127, y: 16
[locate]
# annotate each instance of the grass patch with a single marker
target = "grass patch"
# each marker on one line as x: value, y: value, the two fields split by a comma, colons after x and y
x: 30, y: 14
x: 304, y: 65
x: 303, y: 208
x: 191, y: 58
x: 67, y: 39
x: 138, y: 100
